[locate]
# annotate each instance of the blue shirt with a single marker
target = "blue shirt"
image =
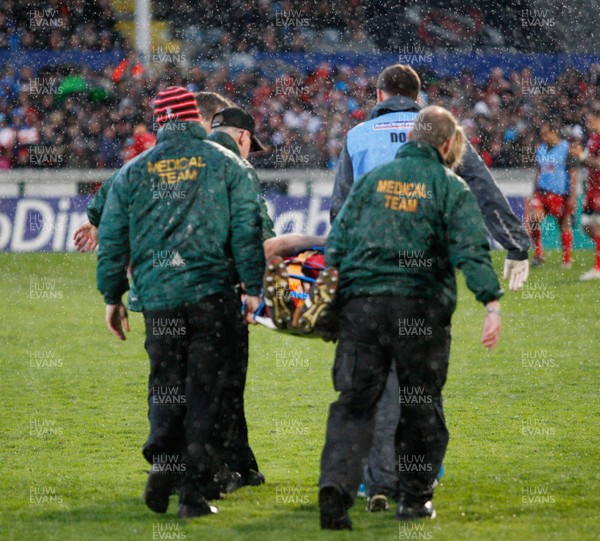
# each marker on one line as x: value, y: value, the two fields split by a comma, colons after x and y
x: 375, y: 142
x: 552, y: 163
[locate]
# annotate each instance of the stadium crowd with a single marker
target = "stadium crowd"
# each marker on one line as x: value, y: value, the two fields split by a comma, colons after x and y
x: 56, y: 25
x: 246, y: 26
x: 76, y: 117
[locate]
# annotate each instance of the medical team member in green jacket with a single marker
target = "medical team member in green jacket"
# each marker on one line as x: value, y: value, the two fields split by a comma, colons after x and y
x: 186, y: 215
x: 396, y: 242
x: 233, y: 128
x: 236, y: 133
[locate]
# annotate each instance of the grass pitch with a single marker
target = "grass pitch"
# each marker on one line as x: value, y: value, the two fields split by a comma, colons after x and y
x: 522, y: 463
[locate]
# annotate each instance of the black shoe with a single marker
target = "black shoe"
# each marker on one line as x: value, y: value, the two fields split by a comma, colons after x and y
x: 254, y: 478
x: 414, y: 511
x: 228, y: 481
x: 193, y: 511
x: 159, y: 487
x: 334, y: 515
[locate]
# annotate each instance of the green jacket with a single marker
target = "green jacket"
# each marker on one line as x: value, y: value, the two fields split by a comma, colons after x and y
x: 186, y: 215
x: 225, y: 140
x: 405, y: 227
x: 94, y: 213
x: 95, y: 207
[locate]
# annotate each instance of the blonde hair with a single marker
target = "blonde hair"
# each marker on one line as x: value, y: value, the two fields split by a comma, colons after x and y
x: 457, y: 149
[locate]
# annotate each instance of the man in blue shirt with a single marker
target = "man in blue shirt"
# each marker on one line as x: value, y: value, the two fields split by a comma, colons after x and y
x: 554, y: 191
x: 377, y: 140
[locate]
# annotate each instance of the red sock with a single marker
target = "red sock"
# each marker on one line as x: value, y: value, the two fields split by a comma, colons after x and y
x: 536, y: 235
x: 566, y: 239
x: 597, y: 242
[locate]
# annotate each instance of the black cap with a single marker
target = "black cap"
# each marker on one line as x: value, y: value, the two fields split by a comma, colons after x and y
x: 235, y: 117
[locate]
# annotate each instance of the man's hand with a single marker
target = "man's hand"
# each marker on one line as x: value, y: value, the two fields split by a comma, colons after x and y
x: 116, y: 319
x: 491, y: 326
x: 86, y: 237
x: 517, y: 271
x: 251, y: 306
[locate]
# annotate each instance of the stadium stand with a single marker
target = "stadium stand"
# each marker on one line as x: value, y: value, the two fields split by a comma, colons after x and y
x: 87, y: 115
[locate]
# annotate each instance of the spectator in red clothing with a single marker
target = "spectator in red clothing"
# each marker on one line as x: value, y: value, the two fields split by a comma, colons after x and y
x: 504, y: 112
x: 141, y: 141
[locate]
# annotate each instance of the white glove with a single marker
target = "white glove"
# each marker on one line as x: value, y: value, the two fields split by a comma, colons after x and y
x: 518, y: 271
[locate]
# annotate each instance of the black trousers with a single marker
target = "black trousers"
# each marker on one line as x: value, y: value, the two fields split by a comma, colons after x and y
x: 195, y: 389
x: 381, y: 472
x: 231, y: 431
x: 374, y: 332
